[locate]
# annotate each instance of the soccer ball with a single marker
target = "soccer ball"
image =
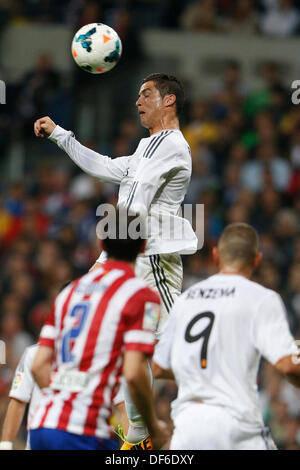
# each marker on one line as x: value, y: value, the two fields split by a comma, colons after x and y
x: 96, y: 48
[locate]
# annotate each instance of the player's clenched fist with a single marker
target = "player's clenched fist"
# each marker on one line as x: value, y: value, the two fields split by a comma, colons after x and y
x: 44, y: 126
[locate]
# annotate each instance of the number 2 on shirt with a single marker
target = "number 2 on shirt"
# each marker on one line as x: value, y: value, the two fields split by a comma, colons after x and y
x: 80, y: 312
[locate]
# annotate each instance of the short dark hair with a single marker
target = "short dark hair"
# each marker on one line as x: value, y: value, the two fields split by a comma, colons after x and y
x: 238, y: 244
x: 168, y: 85
x: 119, y: 244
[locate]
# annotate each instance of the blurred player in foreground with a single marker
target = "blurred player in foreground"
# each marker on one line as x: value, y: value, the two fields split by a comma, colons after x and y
x: 154, y: 181
x: 101, y: 324
x: 217, y: 332
x: 24, y: 391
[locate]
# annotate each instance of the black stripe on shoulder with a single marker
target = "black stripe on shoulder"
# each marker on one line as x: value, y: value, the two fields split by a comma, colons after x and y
x: 150, y: 145
x: 157, y: 144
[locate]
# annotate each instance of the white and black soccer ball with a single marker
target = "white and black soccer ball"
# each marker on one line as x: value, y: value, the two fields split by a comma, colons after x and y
x: 96, y: 48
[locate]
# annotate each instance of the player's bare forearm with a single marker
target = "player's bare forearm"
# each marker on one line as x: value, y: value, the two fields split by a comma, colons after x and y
x: 42, y: 366
x: 136, y: 373
x: 137, y: 378
x: 13, y: 419
x: 289, y: 369
x: 160, y: 373
x: 42, y: 377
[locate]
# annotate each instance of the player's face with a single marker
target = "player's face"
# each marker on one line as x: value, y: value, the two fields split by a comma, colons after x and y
x: 149, y: 104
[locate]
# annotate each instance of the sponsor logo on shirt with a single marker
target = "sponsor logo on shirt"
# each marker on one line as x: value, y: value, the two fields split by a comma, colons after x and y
x: 151, y: 316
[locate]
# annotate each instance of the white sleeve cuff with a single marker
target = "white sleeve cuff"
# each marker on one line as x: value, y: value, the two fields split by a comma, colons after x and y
x: 58, y: 134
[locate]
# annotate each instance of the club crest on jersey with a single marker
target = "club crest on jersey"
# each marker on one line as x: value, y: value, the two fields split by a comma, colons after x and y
x: 17, y: 380
x: 151, y: 316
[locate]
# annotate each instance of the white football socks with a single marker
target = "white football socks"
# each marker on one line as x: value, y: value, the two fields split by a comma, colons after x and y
x: 136, y: 433
x: 137, y: 430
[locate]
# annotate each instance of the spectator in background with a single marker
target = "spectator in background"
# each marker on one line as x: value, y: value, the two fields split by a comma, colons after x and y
x: 201, y: 16
x: 292, y: 295
x: 45, y: 11
x: 231, y: 184
x: 286, y: 227
x: 12, y: 329
x: 37, y: 90
x: 47, y: 256
x: 201, y: 128
x: 231, y: 82
x: 130, y: 131
x: 294, y: 183
x: 271, y: 74
x: 267, y: 207
x: 272, y: 96
x: 202, y: 176
x: 238, y: 154
x: 281, y: 19
x: 4, y: 12
x: 266, y: 158
x: 242, y: 18
x: 91, y: 13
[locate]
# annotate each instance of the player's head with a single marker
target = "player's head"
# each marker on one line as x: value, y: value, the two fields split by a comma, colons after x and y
x: 121, y: 236
x: 160, y: 94
x: 238, y: 249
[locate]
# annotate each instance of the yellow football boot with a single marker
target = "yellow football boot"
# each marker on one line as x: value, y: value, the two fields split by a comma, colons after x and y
x: 145, y: 444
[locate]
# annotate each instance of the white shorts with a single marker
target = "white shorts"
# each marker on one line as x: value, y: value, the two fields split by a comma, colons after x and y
x: 206, y: 427
x: 164, y: 274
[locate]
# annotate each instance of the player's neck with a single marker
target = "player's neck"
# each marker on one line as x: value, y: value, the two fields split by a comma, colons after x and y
x: 234, y: 271
x: 130, y: 263
x: 164, y: 124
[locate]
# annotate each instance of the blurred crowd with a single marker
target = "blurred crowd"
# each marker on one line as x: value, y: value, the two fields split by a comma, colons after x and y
x: 270, y: 17
x: 246, y: 167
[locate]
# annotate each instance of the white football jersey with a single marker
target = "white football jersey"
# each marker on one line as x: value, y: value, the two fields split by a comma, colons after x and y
x: 24, y: 387
x: 154, y: 181
x: 214, y: 339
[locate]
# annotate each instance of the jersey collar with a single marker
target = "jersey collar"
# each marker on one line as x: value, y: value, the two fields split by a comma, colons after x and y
x: 116, y: 264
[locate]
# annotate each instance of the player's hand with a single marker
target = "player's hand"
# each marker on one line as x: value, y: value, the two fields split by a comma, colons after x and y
x: 95, y: 266
x: 44, y: 126
x: 159, y: 435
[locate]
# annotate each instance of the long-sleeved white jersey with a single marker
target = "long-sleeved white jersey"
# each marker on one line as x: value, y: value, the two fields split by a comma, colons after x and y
x: 154, y: 181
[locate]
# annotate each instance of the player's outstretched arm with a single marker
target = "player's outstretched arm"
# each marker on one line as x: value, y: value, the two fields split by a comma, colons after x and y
x: 97, y: 165
x: 135, y: 371
x: 12, y: 423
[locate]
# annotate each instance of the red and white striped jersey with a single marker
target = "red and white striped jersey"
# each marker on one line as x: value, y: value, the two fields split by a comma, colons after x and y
x: 93, y: 321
